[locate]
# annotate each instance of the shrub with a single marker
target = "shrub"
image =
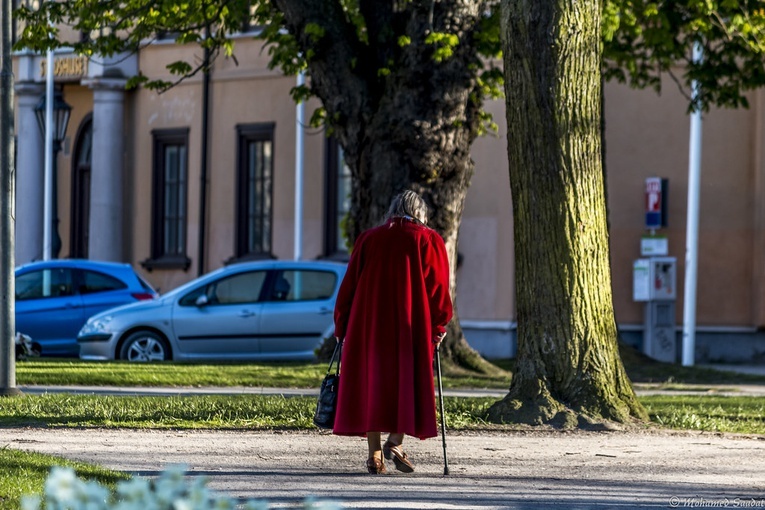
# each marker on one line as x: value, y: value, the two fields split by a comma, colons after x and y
x: 170, y: 491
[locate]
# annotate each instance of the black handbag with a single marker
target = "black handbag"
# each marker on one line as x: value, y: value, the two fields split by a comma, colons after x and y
x: 324, y: 417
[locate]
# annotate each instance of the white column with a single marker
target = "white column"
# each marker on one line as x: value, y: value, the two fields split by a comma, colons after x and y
x: 29, y: 174
x: 692, y: 228
x: 107, y: 170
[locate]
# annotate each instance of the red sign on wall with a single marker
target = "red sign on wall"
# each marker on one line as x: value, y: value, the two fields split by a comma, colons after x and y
x: 653, y: 202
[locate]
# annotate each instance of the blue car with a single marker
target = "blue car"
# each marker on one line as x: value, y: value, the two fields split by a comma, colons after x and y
x: 54, y: 299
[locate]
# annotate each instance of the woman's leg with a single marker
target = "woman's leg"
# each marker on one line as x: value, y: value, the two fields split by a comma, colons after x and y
x: 373, y: 441
x: 396, y: 438
x: 393, y: 451
x: 375, y: 463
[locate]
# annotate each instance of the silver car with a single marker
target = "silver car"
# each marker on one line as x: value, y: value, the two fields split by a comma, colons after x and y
x: 272, y: 310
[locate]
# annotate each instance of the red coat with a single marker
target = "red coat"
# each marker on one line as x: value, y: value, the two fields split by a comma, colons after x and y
x: 392, y: 303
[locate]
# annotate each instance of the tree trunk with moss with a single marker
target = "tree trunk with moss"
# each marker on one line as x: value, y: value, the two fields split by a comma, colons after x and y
x: 568, y: 370
x: 404, y: 119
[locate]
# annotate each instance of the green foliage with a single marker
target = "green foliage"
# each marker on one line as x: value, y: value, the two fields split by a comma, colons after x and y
x: 645, y: 39
x: 444, y: 44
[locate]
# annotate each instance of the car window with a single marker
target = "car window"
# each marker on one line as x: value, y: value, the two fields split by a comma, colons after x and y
x: 98, y: 282
x: 45, y: 283
x: 303, y: 285
x: 230, y: 290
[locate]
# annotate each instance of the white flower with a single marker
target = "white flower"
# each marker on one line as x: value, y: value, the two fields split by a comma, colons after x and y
x: 256, y: 504
x: 95, y: 495
x: 171, y: 491
x: 62, y: 485
x: 182, y: 504
x: 30, y: 502
x: 170, y: 485
x: 136, y: 489
x: 311, y: 504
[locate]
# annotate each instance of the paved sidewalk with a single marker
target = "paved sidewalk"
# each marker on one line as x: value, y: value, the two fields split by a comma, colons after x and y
x: 533, y: 470
x: 527, y: 470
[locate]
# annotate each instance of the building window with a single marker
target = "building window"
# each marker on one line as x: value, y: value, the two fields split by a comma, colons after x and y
x: 254, y: 208
x: 249, y: 24
x: 80, y: 212
x: 169, y: 199
x: 338, y: 186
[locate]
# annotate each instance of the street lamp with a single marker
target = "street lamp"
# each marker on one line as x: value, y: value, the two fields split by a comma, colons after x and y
x: 61, y: 111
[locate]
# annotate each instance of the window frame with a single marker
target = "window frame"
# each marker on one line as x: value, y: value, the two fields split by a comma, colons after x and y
x: 247, y: 133
x: 160, y: 259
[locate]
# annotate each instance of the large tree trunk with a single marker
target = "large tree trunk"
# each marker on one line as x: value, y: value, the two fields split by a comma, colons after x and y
x: 568, y: 371
x: 410, y: 128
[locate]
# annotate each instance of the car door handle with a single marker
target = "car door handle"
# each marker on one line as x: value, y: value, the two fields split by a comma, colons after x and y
x: 246, y: 313
x: 324, y: 311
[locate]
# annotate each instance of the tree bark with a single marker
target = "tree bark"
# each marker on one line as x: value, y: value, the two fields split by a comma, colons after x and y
x: 409, y: 127
x: 568, y: 371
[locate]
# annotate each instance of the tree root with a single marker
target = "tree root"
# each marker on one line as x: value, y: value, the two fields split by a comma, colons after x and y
x: 541, y: 408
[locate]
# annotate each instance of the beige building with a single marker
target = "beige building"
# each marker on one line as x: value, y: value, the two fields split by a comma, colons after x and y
x: 130, y: 187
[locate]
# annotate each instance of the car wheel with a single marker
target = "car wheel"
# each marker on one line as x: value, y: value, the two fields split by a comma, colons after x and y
x: 145, y: 346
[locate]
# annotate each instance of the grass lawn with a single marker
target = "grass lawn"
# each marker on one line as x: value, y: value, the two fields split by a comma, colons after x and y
x: 25, y: 473
x: 252, y: 412
x: 74, y: 372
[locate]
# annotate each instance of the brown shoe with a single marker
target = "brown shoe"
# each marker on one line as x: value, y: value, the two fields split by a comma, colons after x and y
x: 396, y: 453
x: 375, y: 466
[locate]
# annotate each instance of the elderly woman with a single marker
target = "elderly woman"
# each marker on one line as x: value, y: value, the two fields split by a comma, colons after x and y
x: 391, y: 312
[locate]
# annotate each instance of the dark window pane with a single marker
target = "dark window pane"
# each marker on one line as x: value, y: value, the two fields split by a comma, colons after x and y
x: 170, y: 194
x: 45, y: 283
x: 99, y: 282
x: 255, y: 189
x: 303, y: 285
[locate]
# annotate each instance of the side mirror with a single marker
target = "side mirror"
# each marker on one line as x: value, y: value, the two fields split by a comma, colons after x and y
x: 201, y: 300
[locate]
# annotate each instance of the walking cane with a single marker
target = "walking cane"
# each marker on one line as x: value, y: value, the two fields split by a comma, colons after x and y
x: 441, y: 404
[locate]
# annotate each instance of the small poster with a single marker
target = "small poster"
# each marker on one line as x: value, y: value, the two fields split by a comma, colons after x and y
x: 654, y: 246
x: 641, y: 281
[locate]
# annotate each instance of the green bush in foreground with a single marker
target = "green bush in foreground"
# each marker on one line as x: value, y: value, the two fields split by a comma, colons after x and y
x: 170, y: 491
x: 25, y: 473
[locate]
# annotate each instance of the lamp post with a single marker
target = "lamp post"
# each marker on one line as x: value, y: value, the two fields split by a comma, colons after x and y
x: 61, y: 111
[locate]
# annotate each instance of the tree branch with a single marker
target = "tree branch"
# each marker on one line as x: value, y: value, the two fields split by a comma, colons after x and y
x: 338, y: 60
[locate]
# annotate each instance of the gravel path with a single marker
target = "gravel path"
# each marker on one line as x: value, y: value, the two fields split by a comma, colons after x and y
x: 520, y: 470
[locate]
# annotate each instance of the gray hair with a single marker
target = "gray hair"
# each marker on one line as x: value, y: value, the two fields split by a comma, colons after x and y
x: 408, y: 203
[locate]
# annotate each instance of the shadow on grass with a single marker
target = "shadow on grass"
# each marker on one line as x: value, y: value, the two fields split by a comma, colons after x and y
x: 642, y: 369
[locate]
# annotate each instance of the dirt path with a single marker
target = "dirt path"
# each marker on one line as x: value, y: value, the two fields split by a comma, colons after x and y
x: 522, y: 470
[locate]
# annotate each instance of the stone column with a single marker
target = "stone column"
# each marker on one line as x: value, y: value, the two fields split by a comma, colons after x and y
x: 30, y: 178
x: 107, y: 170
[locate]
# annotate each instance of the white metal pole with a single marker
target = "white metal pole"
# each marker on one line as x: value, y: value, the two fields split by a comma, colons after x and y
x: 299, y: 114
x: 48, y: 147
x: 692, y: 229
